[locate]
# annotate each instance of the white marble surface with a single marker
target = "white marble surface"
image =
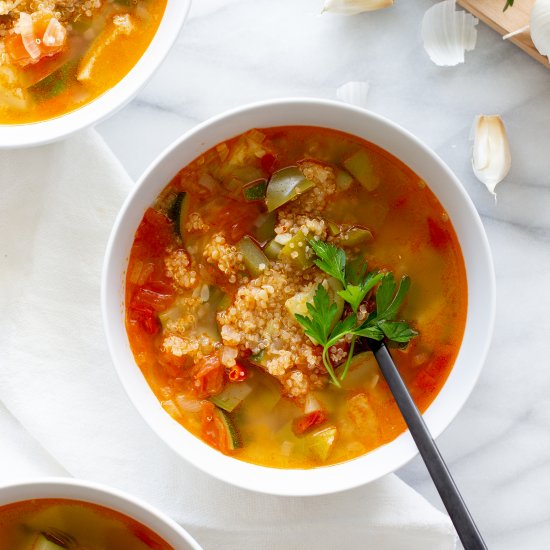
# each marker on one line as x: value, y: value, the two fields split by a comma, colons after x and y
x: 236, y: 51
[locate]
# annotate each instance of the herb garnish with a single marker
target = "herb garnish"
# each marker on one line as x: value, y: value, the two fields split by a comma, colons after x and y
x: 321, y: 324
x: 509, y: 3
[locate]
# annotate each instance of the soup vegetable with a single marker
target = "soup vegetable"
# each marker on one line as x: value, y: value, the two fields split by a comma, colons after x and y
x: 257, y: 277
x: 56, y: 524
x: 57, y: 55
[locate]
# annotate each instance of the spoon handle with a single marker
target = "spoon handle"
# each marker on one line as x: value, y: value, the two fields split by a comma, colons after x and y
x: 460, y: 516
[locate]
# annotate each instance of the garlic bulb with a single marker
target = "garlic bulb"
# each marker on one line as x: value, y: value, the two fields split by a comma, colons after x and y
x: 353, y: 7
x: 491, y: 159
x: 540, y: 26
x: 448, y: 33
x: 354, y: 93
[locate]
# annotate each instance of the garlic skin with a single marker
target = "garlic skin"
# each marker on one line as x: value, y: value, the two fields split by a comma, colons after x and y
x: 491, y: 158
x: 354, y: 93
x: 448, y: 33
x: 353, y: 7
x: 540, y: 26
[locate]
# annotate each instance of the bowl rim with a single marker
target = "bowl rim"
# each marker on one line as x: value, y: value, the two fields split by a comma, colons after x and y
x: 17, y: 136
x: 300, y: 482
x: 99, y: 494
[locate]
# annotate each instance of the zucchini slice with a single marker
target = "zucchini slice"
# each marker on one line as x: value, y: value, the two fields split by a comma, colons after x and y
x: 254, y: 259
x: 179, y: 212
x: 233, y: 439
x: 232, y: 396
x: 285, y: 185
x: 255, y: 190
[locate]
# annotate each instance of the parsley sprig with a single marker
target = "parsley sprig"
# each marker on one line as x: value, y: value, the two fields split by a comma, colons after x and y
x: 509, y: 3
x: 322, y: 324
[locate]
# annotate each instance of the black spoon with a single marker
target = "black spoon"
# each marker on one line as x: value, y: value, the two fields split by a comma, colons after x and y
x: 460, y: 516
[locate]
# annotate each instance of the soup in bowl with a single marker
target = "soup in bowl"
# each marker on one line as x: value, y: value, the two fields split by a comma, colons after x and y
x: 65, y: 65
x: 254, y: 274
x: 63, y: 514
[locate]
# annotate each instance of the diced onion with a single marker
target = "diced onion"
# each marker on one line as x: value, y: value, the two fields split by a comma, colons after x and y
x: 55, y: 34
x: 187, y: 404
x: 24, y: 27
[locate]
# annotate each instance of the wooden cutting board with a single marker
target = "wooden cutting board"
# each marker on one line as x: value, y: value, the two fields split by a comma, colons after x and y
x: 514, y: 18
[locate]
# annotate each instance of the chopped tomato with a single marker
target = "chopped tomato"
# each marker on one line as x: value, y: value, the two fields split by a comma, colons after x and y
x: 156, y: 295
x: 155, y: 232
x: 268, y: 163
x: 237, y: 373
x: 304, y: 423
x: 34, y: 38
x: 213, y: 430
x: 210, y: 376
x: 146, y: 318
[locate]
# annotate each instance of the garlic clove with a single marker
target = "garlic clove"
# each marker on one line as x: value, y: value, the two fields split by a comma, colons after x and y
x: 491, y: 159
x: 353, y: 7
x: 354, y: 93
x: 540, y: 26
x: 448, y: 33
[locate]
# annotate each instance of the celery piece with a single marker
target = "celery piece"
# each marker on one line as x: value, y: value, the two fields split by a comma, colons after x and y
x: 297, y: 251
x: 56, y: 82
x: 273, y: 249
x: 320, y: 443
x: 232, y: 396
x: 255, y: 190
x: 343, y: 180
x: 356, y: 235
x: 265, y: 227
x: 363, y: 372
x: 361, y: 167
x: 285, y: 185
x: 254, y: 259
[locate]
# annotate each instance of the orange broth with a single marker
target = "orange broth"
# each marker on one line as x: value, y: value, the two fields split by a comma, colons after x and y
x: 96, y: 50
x: 411, y: 235
x: 40, y: 523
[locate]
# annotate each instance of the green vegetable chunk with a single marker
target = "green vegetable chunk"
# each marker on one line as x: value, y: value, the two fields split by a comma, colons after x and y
x: 255, y: 191
x: 254, y: 259
x: 56, y: 82
x: 233, y: 439
x: 232, y: 396
x: 361, y: 167
x: 320, y: 443
x: 356, y: 235
x: 343, y: 180
x: 285, y: 185
x: 273, y: 249
x: 179, y: 212
x: 265, y: 227
x: 297, y: 251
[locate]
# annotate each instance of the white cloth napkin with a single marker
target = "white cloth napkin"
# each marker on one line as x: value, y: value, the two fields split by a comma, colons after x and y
x: 65, y: 413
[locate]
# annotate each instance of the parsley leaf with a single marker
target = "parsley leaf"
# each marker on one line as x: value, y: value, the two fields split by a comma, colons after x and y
x: 509, y: 3
x: 325, y: 329
x: 321, y: 316
x: 330, y: 259
x: 397, y: 331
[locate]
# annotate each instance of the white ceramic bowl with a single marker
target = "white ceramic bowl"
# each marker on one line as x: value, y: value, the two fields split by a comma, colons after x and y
x: 15, y: 136
x: 94, y: 493
x: 475, y: 248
